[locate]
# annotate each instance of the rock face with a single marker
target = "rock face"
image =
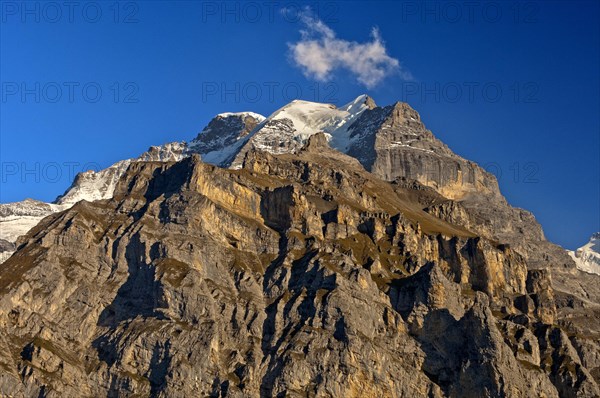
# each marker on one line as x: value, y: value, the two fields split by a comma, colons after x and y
x: 392, y: 142
x: 225, y: 131
x: 298, y: 274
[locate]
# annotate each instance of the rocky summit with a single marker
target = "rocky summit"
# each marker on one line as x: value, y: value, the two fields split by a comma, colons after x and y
x: 318, y: 252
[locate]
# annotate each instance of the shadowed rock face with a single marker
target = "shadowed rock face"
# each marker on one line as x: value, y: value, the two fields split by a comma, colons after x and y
x: 296, y: 275
x: 392, y: 142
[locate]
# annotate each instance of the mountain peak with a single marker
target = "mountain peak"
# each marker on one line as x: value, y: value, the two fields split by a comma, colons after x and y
x: 224, y: 130
x: 370, y: 103
x: 242, y: 115
x: 361, y: 100
x: 587, y: 257
x: 402, y: 113
x: 288, y: 129
x: 404, y: 106
x: 366, y: 100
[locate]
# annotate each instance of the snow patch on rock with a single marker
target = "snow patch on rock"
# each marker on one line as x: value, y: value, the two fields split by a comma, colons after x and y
x: 587, y: 257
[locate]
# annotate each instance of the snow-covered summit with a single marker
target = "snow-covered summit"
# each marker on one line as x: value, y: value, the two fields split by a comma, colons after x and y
x: 256, y: 116
x: 288, y: 128
x: 357, y: 106
x: 587, y: 257
x: 27, y: 207
x: 309, y: 118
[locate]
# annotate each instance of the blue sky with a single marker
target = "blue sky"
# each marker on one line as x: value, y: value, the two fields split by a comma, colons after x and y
x: 512, y: 86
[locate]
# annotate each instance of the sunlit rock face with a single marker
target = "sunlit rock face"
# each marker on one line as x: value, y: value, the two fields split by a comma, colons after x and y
x: 297, y: 274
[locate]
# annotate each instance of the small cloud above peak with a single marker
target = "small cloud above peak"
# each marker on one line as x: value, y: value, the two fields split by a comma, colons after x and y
x: 320, y: 52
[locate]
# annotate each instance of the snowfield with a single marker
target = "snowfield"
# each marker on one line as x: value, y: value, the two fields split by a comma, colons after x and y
x: 587, y: 257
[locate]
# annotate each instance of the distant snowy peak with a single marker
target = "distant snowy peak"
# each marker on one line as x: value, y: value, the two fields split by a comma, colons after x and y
x: 242, y: 115
x: 91, y: 185
x: 287, y: 129
x: 19, y: 217
x: 357, y: 106
x: 27, y: 207
x: 171, y: 152
x: 587, y: 257
x: 308, y: 118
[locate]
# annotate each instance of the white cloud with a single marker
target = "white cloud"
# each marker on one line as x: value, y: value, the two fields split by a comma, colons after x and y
x: 319, y: 53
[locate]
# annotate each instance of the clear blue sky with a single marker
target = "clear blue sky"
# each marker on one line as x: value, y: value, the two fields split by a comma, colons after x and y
x: 165, y: 68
